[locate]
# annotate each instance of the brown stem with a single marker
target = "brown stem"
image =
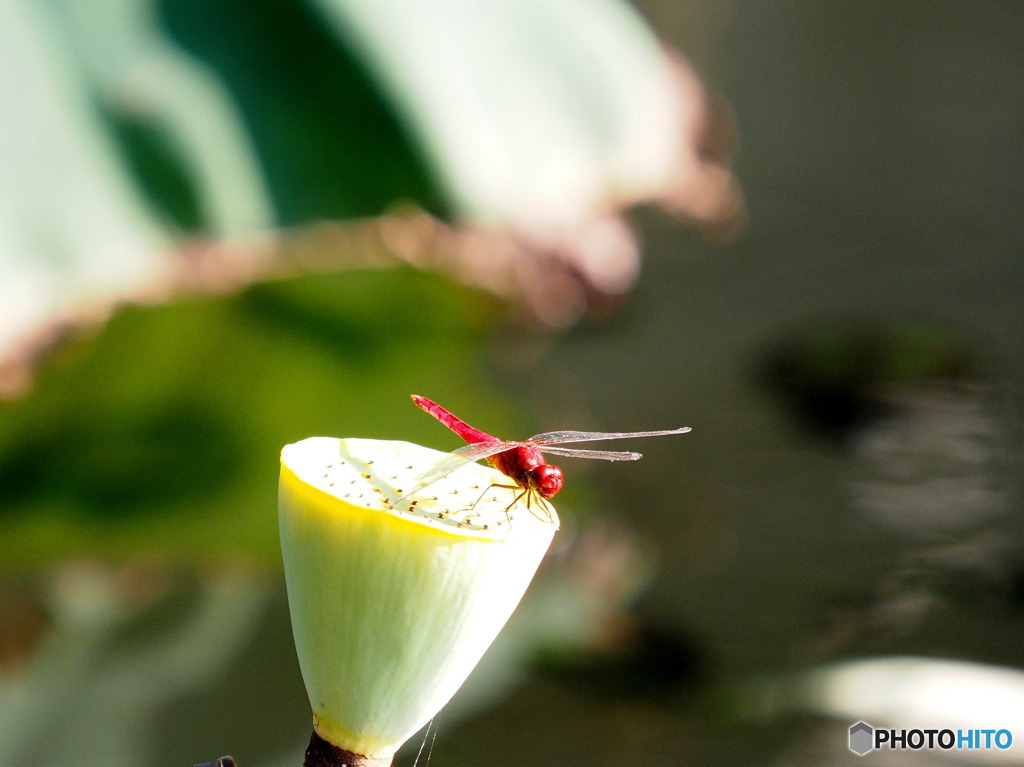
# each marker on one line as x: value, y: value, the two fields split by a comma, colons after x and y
x: 320, y: 753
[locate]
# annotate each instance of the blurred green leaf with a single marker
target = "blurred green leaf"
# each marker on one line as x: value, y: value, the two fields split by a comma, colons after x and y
x: 161, y: 435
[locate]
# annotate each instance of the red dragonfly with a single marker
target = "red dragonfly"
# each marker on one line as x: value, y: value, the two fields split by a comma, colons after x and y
x: 523, y: 462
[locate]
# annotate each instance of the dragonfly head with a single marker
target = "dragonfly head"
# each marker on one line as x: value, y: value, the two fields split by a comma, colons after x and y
x: 546, y: 480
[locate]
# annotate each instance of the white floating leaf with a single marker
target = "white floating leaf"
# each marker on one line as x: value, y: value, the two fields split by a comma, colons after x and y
x: 536, y: 113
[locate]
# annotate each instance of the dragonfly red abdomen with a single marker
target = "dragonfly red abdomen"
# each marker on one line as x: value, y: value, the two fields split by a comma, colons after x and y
x: 469, y: 433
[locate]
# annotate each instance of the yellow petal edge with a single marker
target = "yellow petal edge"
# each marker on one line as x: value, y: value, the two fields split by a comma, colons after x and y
x: 396, y: 591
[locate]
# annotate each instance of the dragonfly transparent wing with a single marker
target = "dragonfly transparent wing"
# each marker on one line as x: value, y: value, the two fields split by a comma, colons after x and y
x: 458, y: 458
x: 454, y: 461
x: 564, y: 437
x: 604, y: 455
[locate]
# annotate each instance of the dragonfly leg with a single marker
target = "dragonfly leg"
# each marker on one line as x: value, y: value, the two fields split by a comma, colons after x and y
x: 487, y: 490
x: 527, y: 492
x: 531, y: 496
x: 544, y: 505
x: 508, y: 508
x: 505, y: 487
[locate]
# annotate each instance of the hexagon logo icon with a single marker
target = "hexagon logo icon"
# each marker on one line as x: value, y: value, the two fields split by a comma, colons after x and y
x: 862, y: 737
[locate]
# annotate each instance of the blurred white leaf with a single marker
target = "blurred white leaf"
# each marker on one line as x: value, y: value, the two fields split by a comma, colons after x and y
x: 537, y: 114
x: 137, y: 71
x: 73, y: 227
x: 76, y: 231
x: 542, y: 118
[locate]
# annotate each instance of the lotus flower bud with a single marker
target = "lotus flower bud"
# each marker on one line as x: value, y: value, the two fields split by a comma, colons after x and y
x: 396, y: 591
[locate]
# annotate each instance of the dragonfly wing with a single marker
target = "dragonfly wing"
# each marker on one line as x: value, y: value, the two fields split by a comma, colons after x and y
x: 604, y: 455
x: 458, y: 458
x: 563, y: 437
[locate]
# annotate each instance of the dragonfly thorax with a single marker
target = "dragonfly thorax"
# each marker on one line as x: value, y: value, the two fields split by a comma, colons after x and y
x: 525, y: 465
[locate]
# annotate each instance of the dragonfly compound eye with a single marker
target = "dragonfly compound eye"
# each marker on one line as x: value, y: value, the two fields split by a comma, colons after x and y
x: 548, y: 480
